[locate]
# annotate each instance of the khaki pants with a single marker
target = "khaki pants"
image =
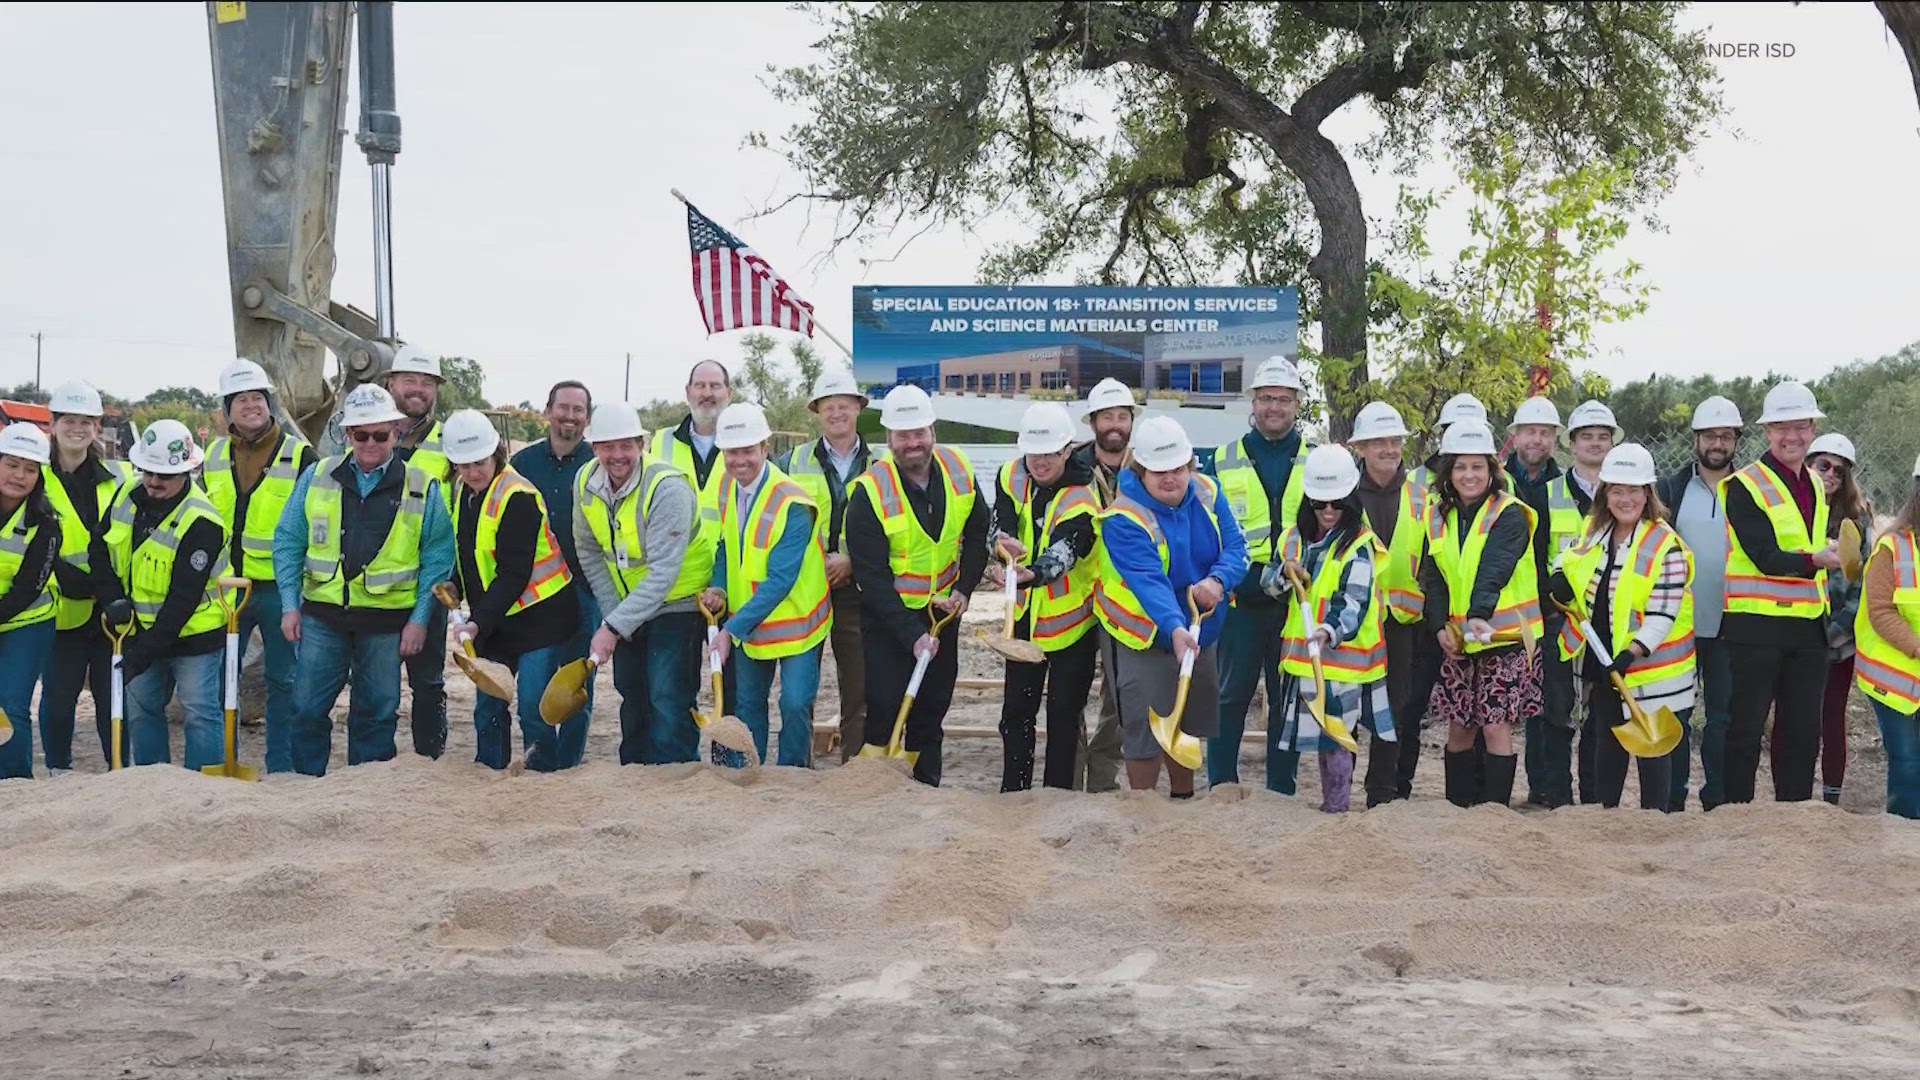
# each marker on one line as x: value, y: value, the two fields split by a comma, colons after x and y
x: 1097, y: 761
x: 849, y: 662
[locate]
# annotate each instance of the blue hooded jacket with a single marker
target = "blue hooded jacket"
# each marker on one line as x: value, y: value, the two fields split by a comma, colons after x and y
x: 1194, y: 553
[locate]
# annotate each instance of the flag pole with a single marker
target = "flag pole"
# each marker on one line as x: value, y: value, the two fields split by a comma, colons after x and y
x: 817, y: 324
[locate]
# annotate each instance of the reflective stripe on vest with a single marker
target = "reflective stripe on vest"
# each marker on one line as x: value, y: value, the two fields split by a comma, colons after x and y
x: 923, y: 566
x: 622, y: 538
x: 1883, y: 672
x: 14, y: 539
x: 1748, y: 590
x: 264, y: 504
x: 698, y: 563
x: 1252, y: 506
x: 1673, y: 660
x: 1361, y: 659
x: 1564, y: 520
x: 1519, y: 599
x: 387, y: 583
x: 1399, y: 572
x: 804, y: 616
x: 1062, y: 611
x: 146, y: 570
x: 1114, y: 604
x: 549, y: 573
x: 70, y: 612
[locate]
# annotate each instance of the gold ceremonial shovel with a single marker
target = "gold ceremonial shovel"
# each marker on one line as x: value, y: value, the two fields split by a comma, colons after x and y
x: 896, y: 748
x: 1185, y: 750
x: 490, y: 677
x: 1317, y: 705
x: 728, y: 731
x: 231, y: 766
x: 1020, y: 652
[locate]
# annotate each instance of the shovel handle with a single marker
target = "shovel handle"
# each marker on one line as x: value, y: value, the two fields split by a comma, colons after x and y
x: 938, y: 622
x: 443, y: 592
x: 1013, y: 590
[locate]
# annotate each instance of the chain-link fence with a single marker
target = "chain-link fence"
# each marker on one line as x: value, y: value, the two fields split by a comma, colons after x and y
x: 1885, y: 468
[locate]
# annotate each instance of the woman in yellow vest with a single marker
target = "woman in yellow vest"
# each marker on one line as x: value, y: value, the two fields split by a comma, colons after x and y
x: 521, y: 603
x: 1331, y: 545
x: 29, y: 544
x: 1833, y: 460
x: 1479, y: 580
x: 1631, y: 572
x: 1886, y: 665
x: 771, y: 573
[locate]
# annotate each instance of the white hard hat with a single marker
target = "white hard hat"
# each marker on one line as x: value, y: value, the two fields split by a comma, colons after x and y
x: 1045, y: 428
x: 1468, y: 435
x: 1536, y: 410
x: 906, y: 408
x: 416, y: 359
x: 1160, y: 444
x: 1275, y: 371
x: 75, y: 398
x: 1462, y: 407
x: 1716, y: 412
x: 613, y: 421
x: 1789, y: 401
x: 1836, y: 444
x: 467, y: 436
x: 1593, y: 414
x: 1331, y: 473
x: 1108, y: 394
x: 368, y: 404
x: 741, y: 424
x: 244, y: 375
x: 838, y: 382
x: 25, y: 440
x: 1628, y: 463
x: 1378, y: 420
x: 166, y: 447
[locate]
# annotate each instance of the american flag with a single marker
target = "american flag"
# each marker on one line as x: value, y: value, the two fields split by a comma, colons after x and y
x: 737, y: 288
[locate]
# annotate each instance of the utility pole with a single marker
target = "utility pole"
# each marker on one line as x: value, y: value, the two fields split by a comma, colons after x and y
x: 36, y: 360
x: 626, y: 392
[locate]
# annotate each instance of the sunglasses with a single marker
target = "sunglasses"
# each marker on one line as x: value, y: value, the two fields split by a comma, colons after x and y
x: 1827, y: 465
x: 1316, y: 505
x: 380, y: 436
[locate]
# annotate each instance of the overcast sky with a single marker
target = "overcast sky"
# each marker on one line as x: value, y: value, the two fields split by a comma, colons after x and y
x: 534, y: 230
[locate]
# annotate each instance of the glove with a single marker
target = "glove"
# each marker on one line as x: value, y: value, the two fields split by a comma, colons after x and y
x: 135, y: 657
x: 1622, y: 662
x: 1559, y: 589
x: 119, y: 612
x: 1273, y: 582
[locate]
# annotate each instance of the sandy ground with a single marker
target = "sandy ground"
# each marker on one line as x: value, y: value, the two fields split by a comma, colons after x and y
x: 429, y: 919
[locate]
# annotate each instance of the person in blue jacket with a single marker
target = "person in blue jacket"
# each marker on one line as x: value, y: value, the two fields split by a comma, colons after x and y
x: 1168, y: 529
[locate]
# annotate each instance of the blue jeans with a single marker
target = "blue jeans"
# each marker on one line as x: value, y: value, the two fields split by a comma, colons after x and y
x: 80, y: 657
x: 23, y: 655
x: 427, y: 675
x: 799, y: 684
x: 197, y: 678
x: 657, y: 673
x: 277, y: 657
x: 1249, y: 651
x: 1900, y: 732
x: 328, y: 658
x: 577, y: 646
x: 1716, y: 699
x: 548, y: 748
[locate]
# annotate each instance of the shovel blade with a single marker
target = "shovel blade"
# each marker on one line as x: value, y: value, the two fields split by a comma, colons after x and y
x: 490, y: 678
x: 1020, y: 652
x: 1338, y: 732
x: 566, y: 692
x: 231, y: 772
x: 1186, y: 750
x: 6, y: 728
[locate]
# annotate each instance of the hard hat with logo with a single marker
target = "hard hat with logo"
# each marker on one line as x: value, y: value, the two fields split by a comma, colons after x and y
x: 166, y: 448
x: 1045, y: 429
x: 75, y: 399
x: 613, y: 421
x: 243, y: 375
x: 1160, y: 444
x: 1331, y: 473
x: 1462, y: 407
x: 467, y: 436
x: 1109, y: 394
x: 1468, y: 435
x: 1716, y: 412
x: 415, y: 359
x: 368, y: 404
x: 906, y: 408
x: 1836, y: 444
x: 1378, y: 420
x: 1593, y: 414
x: 741, y: 424
x: 837, y: 382
x: 25, y: 440
x: 1275, y: 371
x: 1789, y: 401
x: 1535, y: 410
x: 1628, y: 463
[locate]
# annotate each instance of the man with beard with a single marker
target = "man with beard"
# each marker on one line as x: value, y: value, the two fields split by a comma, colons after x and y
x: 414, y: 383
x: 552, y: 465
x: 1396, y: 511
x: 1549, y: 735
x: 1110, y: 412
x: 1692, y: 499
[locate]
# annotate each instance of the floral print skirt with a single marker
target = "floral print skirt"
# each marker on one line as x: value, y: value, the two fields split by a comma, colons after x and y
x: 1496, y: 687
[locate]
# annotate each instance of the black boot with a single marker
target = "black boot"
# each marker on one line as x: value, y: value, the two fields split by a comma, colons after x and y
x: 1460, y: 780
x: 1499, y: 779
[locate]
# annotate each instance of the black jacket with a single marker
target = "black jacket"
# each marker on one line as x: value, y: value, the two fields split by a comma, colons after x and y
x: 1751, y: 527
x: 873, y: 572
x: 1533, y: 492
x: 836, y: 488
x: 1057, y: 552
x: 499, y: 636
x: 200, y: 549
x: 1506, y: 544
x: 364, y: 525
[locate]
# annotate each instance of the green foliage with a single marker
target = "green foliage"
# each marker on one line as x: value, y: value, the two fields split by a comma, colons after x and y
x: 778, y: 387
x: 464, y: 386
x: 26, y: 391
x: 186, y: 397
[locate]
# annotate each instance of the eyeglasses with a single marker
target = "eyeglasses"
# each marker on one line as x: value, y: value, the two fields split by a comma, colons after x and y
x: 1275, y: 399
x: 1828, y: 465
x: 379, y: 435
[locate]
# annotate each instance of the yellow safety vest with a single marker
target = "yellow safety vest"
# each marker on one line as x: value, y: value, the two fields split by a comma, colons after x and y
x: 264, y: 505
x: 391, y: 581
x: 1753, y: 593
x: 1063, y: 611
x: 71, y: 613
x: 1363, y: 658
x: 1673, y: 661
x: 804, y: 616
x: 14, y: 537
x: 805, y: 470
x: 1114, y: 604
x: 1399, y: 572
x: 1233, y: 468
x: 1883, y: 672
x: 1565, y: 523
x: 923, y: 566
x: 550, y: 573
x: 620, y: 539
x: 429, y: 458
x: 1519, y: 600
x: 667, y: 450
x: 146, y: 572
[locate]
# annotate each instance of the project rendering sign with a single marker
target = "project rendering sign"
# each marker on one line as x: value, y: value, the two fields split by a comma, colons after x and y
x: 987, y: 339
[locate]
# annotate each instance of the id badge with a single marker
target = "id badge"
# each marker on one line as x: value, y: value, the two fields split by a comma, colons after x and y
x: 318, y: 537
x: 620, y: 556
